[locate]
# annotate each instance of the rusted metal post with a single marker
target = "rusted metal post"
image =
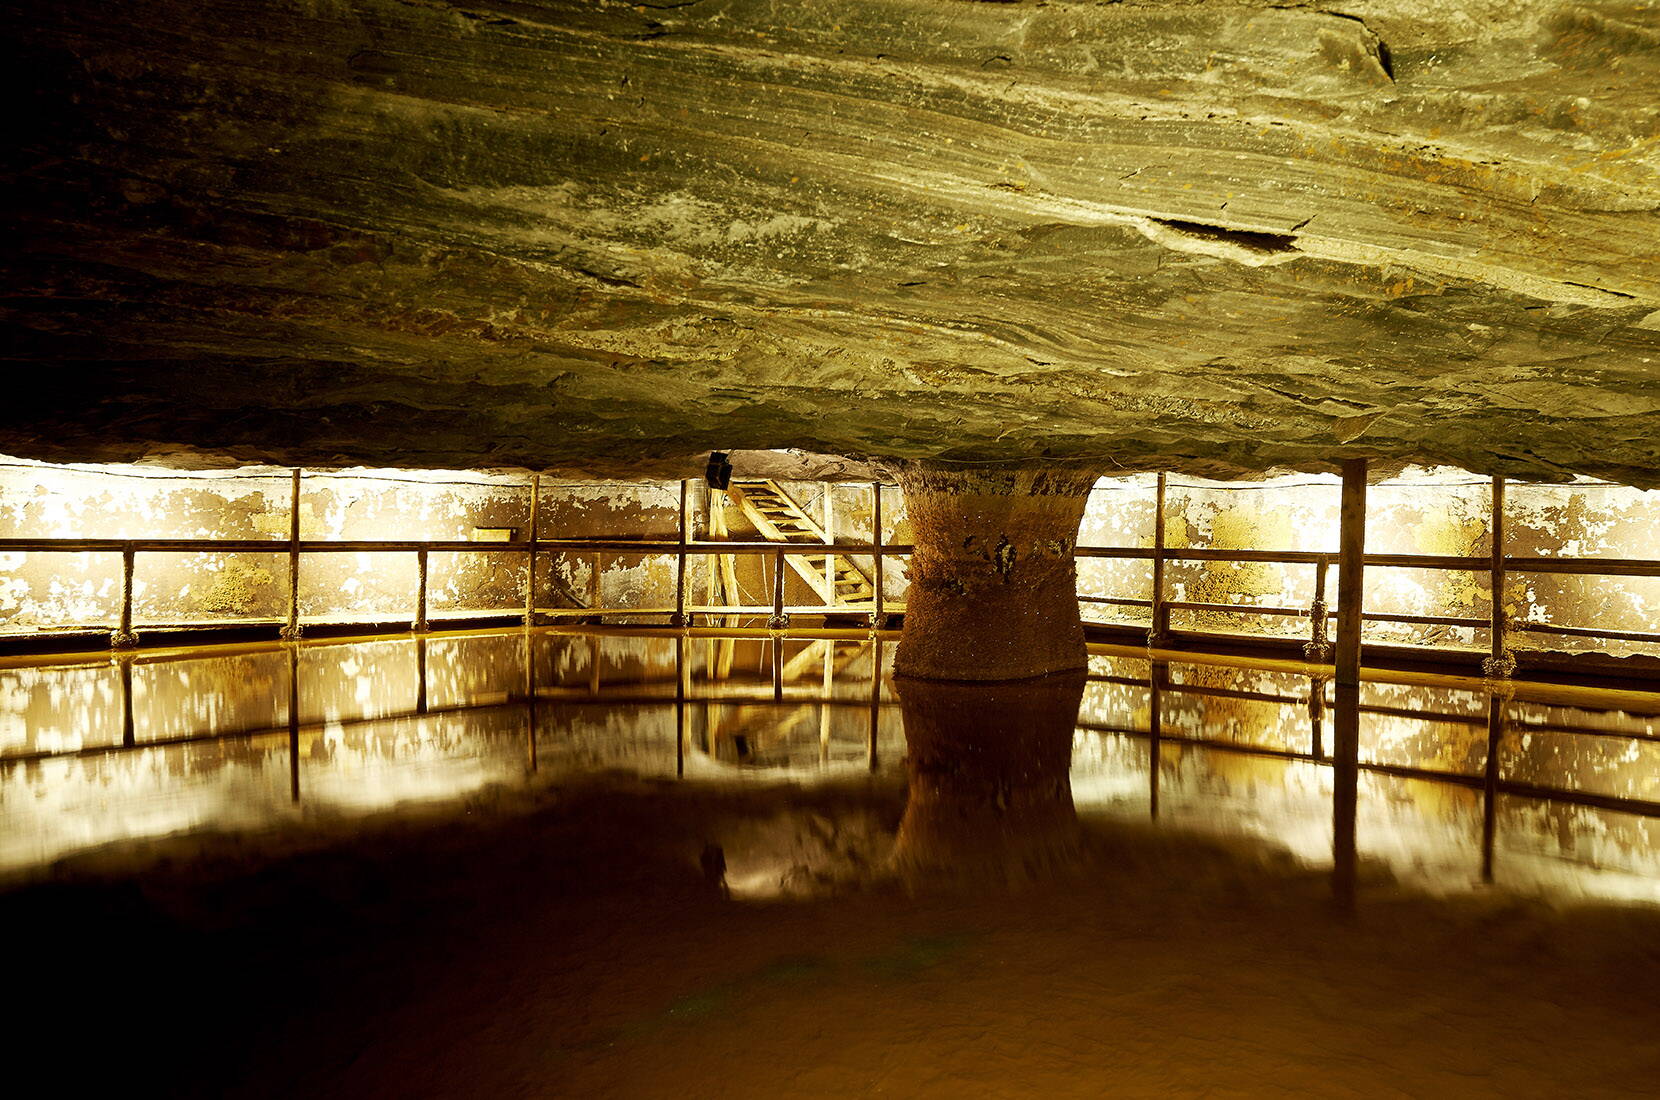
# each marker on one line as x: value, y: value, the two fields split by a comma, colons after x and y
x: 122, y: 637
x: 530, y: 554
x: 420, y: 624
x: 1501, y: 663
x: 878, y: 613
x: 1158, y: 632
x: 1318, y: 649
x: 680, y: 620
x: 292, y: 629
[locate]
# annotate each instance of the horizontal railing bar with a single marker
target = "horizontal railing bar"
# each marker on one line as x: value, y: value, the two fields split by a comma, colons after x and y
x: 1584, y: 631
x: 1610, y: 567
x: 1596, y: 566
x: 1255, y: 609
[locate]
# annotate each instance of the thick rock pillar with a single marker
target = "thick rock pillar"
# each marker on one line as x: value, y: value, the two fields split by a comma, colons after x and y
x: 993, y: 591
x: 990, y: 778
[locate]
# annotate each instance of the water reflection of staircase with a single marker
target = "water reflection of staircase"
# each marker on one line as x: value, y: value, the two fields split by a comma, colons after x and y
x: 778, y: 518
x: 738, y: 734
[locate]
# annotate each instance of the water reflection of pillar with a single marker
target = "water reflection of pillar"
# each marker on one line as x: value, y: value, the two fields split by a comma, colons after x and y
x: 1346, y: 716
x: 1158, y: 675
x: 1490, y: 783
x: 875, y: 696
x: 294, y: 721
x: 420, y: 675
x: 681, y: 671
x: 129, y: 735
x: 989, y: 768
x: 528, y: 649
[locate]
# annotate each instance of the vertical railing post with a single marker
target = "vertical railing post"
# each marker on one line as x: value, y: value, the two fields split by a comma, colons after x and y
x: 878, y: 613
x: 1158, y: 632
x: 680, y: 621
x: 1351, y: 564
x: 123, y: 637
x: 778, y: 620
x: 420, y: 623
x: 291, y: 630
x: 530, y: 553
x: 1501, y: 663
x: 1317, y: 649
x: 593, y: 584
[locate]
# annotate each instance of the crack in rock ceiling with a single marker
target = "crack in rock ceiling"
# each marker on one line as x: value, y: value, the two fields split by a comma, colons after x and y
x: 1219, y: 238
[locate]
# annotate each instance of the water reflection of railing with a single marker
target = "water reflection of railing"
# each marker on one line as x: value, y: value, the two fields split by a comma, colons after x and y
x: 1498, y: 722
x: 529, y: 696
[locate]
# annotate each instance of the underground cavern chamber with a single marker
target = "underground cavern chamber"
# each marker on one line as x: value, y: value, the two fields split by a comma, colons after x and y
x: 1184, y: 614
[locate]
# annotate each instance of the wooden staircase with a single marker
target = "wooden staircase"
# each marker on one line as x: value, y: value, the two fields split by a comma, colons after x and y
x: 838, y: 582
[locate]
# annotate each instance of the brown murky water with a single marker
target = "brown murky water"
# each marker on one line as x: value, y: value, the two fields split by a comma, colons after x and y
x: 569, y: 864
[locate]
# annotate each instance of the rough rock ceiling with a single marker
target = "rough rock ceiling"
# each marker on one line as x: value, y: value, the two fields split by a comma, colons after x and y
x: 1216, y: 237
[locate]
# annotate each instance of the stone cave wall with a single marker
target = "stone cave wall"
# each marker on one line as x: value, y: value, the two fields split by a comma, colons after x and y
x: 42, y: 591
x: 1438, y: 511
